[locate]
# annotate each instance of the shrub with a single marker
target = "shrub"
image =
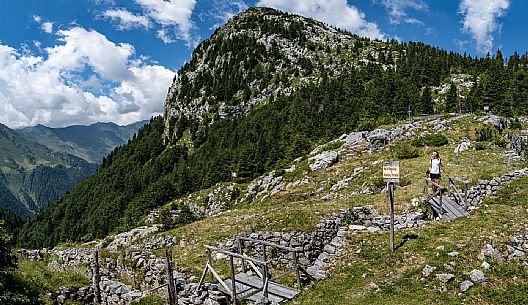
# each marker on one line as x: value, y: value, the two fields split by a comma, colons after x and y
x: 435, y: 140
x: 487, y: 133
x: 165, y: 218
x: 150, y: 300
x: 500, y: 142
x: 405, y: 151
x: 366, y: 125
x: 430, y: 140
x: 418, y: 142
x: 480, y: 145
x: 490, y: 134
x: 515, y: 124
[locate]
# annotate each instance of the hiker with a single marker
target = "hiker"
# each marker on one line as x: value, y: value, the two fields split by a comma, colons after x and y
x: 435, y: 165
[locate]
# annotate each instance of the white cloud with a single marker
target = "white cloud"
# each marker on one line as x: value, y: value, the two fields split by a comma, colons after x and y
x: 222, y: 11
x: 37, y: 18
x: 47, y: 27
x: 84, y: 79
x: 165, y: 36
x: 480, y: 20
x: 126, y: 20
x: 174, y: 14
x: 334, y: 12
x: 397, y: 10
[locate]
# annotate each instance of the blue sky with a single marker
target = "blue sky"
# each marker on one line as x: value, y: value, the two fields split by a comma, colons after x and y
x: 66, y: 62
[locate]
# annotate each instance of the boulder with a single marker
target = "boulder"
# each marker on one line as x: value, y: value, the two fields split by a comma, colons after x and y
x: 445, y: 277
x: 428, y: 270
x: 465, y: 285
x: 382, y: 135
x: 463, y: 146
x: 354, y: 138
x: 495, y: 121
x: 323, y: 160
x: 477, y: 276
x: 489, y: 251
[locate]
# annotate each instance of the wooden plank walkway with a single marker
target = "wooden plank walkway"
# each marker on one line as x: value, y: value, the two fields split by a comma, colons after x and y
x: 249, y: 287
x: 450, y: 209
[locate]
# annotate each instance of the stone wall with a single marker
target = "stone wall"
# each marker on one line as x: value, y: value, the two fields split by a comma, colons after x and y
x: 490, y: 187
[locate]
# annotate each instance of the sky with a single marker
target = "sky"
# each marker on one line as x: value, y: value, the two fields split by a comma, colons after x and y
x: 66, y: 62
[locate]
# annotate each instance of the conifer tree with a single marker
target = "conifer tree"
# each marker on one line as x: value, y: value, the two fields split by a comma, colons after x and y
x: 426, y: 101
x: 451, y: 103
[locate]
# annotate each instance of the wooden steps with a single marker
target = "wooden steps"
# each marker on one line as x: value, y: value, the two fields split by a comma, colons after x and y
x: 249, y: 287
x: 450, y: 209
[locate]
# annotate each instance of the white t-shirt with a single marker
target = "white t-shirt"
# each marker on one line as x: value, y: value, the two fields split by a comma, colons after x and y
x: 435, y: 166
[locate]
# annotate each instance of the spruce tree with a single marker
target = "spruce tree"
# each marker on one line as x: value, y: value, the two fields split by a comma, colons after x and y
x: 451, y: 103
x: 425, y: 105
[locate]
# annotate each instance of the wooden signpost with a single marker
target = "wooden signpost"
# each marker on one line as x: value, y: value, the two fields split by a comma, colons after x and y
x: 391, y: 175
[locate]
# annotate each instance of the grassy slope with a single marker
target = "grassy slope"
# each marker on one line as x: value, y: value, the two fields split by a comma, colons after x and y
x: 367, y: 260
x: 38, y: 278
x: 294, y: 210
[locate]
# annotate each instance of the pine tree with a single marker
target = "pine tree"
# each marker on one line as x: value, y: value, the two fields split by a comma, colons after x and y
x: 425, y: 106
x: 451, y: 103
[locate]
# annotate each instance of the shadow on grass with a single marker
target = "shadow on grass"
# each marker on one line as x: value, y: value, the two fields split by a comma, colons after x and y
x: 406, y: 238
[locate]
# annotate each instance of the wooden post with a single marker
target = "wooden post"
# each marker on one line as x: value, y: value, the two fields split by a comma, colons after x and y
x: 210, y: 262
x: 233, y: 281
x: 297, y: 274
x: 241, y: 252
x: 96, y: 278
x: 426, y: 189
x: 440, y: 202
x: 391, y: 199
x: 170, y: 280
x: 264, y: 257
x: 465, y: 196
x: 265, y: 280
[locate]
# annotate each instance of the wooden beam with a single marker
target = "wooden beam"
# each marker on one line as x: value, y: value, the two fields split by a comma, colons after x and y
x: 213, y: 272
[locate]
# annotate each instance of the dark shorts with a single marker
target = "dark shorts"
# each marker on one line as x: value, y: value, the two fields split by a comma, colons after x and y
x: 435, y: 176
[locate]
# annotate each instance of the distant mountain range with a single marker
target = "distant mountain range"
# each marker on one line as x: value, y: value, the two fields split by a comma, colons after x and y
x: 32, y: 175
x: 90, y: 143
x: 40, y: 164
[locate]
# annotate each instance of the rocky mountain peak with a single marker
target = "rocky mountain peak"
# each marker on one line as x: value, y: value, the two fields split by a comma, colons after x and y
x: 258, y: 54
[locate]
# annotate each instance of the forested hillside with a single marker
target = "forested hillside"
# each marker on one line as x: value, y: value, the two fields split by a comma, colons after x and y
x: 32, y: 176
x: 90, y: 143
x: 262, y: 91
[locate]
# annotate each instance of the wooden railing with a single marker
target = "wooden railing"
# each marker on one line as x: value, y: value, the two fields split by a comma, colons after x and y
x: 439, y: 191
x: 461, y: 196
x: 232, y: 290
x: 297, y: 268
x: 458, y: 194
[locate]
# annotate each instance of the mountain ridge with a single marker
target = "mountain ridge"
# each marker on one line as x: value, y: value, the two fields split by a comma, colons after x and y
x: 31, y: 175
x: 89, y: 142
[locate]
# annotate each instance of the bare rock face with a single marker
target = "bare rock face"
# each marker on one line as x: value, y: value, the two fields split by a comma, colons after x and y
x: 323, y: 160
x: 495, y: 121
